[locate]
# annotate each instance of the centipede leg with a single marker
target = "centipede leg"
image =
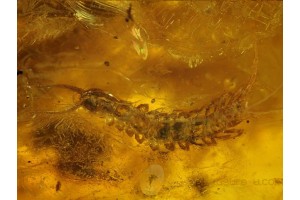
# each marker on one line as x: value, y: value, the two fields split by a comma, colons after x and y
x: 170, y: 146
x: 139, y: 139
x: 209, y: 140
x: 198, y: 144
x: 184, y: 145
x: 130, y: 132
x: 227, y: 134
x: 154, y: 147
x: 209, y: 109
x: 143, y: 108
x: 212, y: 107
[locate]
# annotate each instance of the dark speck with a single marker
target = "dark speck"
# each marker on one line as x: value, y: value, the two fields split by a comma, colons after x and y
x: 248, y: 121
x: 129, y: 14
x: 58, y: 186
x: 29, y: 161
x: 152, y: 100
x: 106, y: 63
x: 20, y: 72
x: 116, y: 37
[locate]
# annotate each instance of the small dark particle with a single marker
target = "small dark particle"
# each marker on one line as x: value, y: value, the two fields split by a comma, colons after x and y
x: 106, y: 63
x: 129, y: 15
x: 116, y: 37
x: 58, y: 186
x: 152, y: 100
x: 248, y: 121
x: 20, y: 72
x: 29, y: 161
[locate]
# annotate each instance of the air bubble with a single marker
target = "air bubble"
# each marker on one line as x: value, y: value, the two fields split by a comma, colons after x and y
x: 152, y: 180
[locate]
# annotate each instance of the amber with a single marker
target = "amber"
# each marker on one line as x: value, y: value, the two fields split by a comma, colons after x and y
x: 149, y: 99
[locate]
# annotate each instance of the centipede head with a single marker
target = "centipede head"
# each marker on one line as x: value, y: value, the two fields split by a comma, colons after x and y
x: 97, y: 100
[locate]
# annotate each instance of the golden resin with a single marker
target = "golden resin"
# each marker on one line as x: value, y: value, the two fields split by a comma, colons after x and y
x: 149, y: 99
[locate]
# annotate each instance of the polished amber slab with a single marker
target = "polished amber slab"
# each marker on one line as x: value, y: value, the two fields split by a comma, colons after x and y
x: 149, y: 99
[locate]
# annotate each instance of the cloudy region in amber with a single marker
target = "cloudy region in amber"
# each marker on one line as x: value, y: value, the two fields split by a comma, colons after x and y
x: 149, y: 100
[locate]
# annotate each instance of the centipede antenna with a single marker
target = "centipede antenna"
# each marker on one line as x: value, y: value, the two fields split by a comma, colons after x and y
x: 252, y: 79
x: 121, y: 75
x: 70, y: 87
x: 257, y: 113
x: 266, y: 98
x: 255, y: 62
x: 61, y: 112
x: 254, y: 67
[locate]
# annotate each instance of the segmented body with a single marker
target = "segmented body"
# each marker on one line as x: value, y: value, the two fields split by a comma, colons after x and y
x: 216, y: 120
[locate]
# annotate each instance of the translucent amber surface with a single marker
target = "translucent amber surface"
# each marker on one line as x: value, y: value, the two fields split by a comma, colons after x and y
x: 149, y: 99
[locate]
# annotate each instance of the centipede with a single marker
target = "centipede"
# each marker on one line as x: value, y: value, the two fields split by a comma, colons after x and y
x: 202, y: 127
